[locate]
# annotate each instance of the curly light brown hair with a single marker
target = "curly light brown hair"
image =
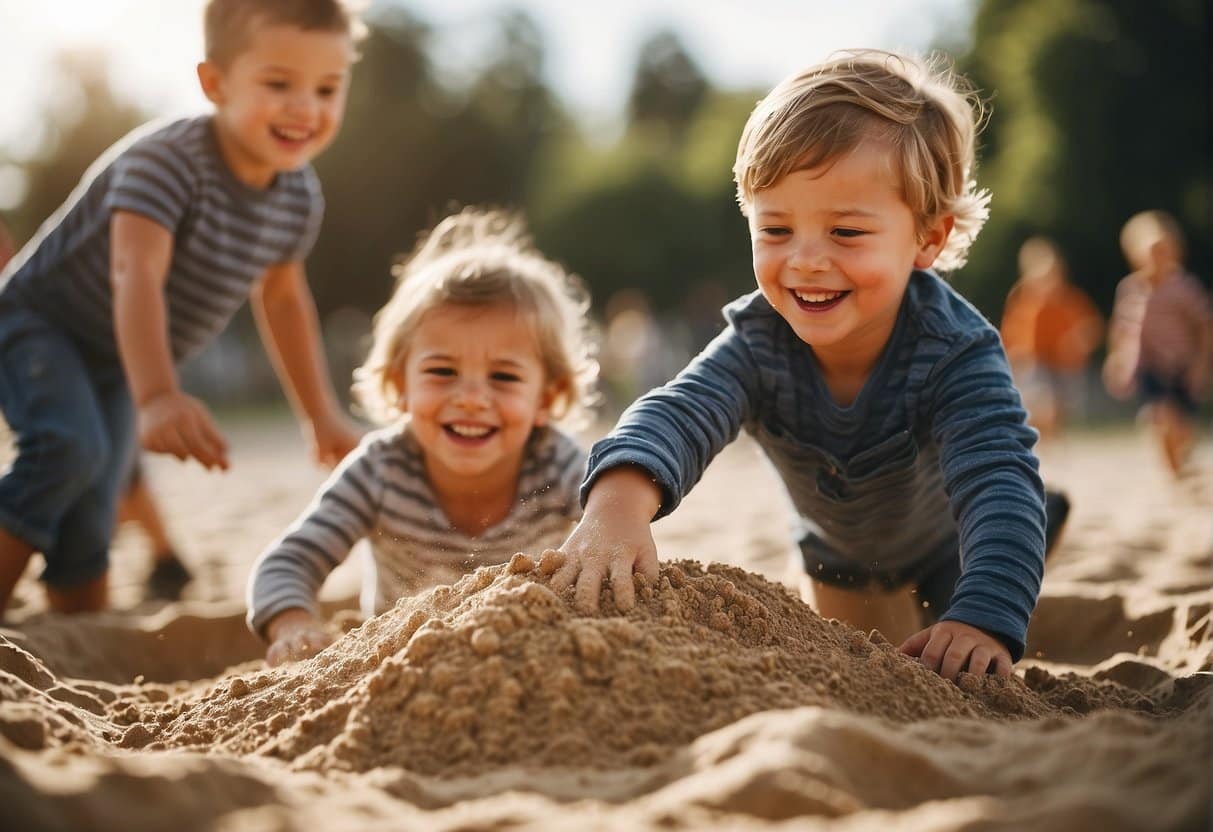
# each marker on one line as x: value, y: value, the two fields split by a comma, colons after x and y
x: 924, y: 112
x: 484, y: 257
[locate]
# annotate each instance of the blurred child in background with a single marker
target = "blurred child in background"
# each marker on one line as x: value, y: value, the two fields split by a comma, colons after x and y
x: 1049, y: 329
x: 483, y: 346
x: 1160, y: 342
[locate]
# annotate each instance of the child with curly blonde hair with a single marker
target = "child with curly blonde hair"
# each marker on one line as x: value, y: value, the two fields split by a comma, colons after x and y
x: 482, y: 348
x: 882, y: 398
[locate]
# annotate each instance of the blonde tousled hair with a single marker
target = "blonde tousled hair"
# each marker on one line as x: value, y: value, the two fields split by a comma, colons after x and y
x: 480, y: 258
x: 925, y: 113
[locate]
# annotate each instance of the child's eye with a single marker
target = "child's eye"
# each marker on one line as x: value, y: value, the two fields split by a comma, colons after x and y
x: 848, y: 233
x: 775, y: 231
x: 440, y: 371
x: 277, y: 86
x: 326, y: 92
x: 504, y: 376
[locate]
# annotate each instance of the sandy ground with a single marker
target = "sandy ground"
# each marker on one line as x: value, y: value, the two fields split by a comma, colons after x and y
x: 720, y: 702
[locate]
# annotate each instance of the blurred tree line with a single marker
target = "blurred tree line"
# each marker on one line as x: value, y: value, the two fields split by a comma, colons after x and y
x: 1098, y: 109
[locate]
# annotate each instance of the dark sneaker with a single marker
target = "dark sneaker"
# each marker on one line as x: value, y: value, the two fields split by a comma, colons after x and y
x: 1057, y: 509
x: 167, y: 579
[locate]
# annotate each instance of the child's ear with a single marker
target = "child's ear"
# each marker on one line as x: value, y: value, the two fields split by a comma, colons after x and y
x: 395, y: 381
x: 209, y: 78
x: 933, y: 239
x: 552, y: 398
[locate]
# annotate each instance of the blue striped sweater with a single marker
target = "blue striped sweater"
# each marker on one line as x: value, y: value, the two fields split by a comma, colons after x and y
x: 932, y: 460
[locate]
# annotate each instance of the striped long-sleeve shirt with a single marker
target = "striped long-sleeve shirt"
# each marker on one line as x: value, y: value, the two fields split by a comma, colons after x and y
x: 380, y: 493
x: 225, y: 235
x: 932, y: 460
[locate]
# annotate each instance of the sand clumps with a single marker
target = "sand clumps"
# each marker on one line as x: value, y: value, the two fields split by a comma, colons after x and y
x: 499, y: 670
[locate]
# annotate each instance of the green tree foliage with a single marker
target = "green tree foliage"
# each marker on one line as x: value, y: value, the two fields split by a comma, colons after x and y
x: 668, y: 87
x: 655, y: 211
x: 1100, y: 109
x: 412, y: 148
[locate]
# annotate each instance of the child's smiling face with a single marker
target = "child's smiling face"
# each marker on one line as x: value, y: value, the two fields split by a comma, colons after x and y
x: 833, y: 249
x: 280, y: 101
x: 475, y: 387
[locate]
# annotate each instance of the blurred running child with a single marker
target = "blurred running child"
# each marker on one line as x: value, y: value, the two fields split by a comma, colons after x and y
x: 882, y: 398
x: 1160, y: 342
x: 480, y: 350
x: 1049, y: 329
x: 165, y: 237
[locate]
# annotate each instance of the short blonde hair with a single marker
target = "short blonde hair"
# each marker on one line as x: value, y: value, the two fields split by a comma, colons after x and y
x: 928, y: 115
x: 228, y: 24
x: 1145, y: 228
x: 481, y: 257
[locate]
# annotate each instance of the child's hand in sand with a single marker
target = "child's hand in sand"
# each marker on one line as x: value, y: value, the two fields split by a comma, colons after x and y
x: 295, y: 634
x: 612, y: 540
x: 178, y: 424
x: 950, y: 647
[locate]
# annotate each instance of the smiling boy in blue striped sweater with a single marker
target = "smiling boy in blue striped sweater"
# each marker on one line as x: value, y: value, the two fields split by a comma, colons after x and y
x: 161, y: 243
x: 881, y: 397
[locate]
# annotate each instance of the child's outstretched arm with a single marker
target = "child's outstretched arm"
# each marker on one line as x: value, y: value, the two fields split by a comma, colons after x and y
x: 287, y: 577
x: 653, y: 457
x: 613, y: 538
x: 286, y: 317
x: 169, y: 420
x: 993, y: 483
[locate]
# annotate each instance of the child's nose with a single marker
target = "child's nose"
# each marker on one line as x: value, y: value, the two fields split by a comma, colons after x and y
x: 303, y: 104
x: 472, y: 392
x: 808, y: 255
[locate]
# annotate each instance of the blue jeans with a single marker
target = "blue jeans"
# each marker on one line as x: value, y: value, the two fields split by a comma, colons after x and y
x: 74, y: 429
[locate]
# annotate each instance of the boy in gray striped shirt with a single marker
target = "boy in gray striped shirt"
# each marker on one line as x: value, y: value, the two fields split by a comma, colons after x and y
x: 483, y: 345
x: 882, y: 399
x: 146, y: 262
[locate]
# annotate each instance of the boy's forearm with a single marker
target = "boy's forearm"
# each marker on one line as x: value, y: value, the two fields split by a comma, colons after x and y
x: 140, y: 254
x: 290, y: 329
x: 141, y: 330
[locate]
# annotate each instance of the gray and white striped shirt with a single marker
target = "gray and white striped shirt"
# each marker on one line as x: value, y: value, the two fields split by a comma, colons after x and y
x: 380, y: 492
x: 225, y: 235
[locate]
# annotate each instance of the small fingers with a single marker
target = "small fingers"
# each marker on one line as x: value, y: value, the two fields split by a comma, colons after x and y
x: 589, y: 586
x: 913, y: 646
x: 936, y: 648
x: 1002, y: 665
x: 956, y: 657
x: 646, y: 564
x: 980, y: 660
x: 622, y: 585
x: 563, y: 575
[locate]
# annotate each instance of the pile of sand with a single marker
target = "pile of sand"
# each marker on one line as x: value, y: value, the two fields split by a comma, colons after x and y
x: 498, y: 670
x: 720, y: 701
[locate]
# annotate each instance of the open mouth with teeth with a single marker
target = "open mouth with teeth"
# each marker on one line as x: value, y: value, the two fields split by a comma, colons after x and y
x: 291, y: 135
x: 818, y: 301
x: 469, y: 434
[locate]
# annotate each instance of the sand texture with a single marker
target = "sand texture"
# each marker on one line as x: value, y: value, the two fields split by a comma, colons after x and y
x: 720, y: 701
